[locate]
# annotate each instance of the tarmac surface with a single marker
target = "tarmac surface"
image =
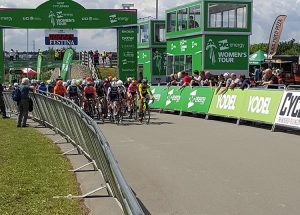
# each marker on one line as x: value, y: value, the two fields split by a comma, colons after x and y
x: 187, y: 165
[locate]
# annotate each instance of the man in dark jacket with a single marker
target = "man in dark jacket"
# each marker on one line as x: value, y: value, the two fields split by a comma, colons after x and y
x: 2, y: 104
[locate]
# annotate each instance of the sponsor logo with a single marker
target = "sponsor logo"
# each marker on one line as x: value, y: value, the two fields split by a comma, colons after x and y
x: 127, y: 31
x: 183, y: 45
x: 259, y: 104
x: 6, y: 18
x: 172, y: 97
x: 128, y: 54
x: 195, y: 99
x: 113, y: 18
x: 144, y: 56
x: 226, y: 102
x: 290, y: 106
x: 128, y: 39
x: 156, y: 96
x: 173, y: 46
x: 223, y: 55
x: 60, y: 18
x: 194, y: 44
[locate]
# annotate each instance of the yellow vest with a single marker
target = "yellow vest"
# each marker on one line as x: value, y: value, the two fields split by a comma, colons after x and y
x: 104, y: 54
x: 56, y: 54
x: 40, y: 53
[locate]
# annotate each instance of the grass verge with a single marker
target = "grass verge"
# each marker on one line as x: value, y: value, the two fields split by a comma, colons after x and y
x: 105, y: 72
x: 32, y: 172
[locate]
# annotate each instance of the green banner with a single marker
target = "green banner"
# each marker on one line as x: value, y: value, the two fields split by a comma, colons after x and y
x: 173, y: 98
x: 159, y: 95
x: 33, y: 64
x: 227, y: 104
x: 127, y: 53
x: 196, y: 100
x: 226, y: 52
x: 66, y: 63
x: 261, y: 105
x: 39, y: 65
x: 191, y: 45
x: 10, y: 78
x: 65, y: 14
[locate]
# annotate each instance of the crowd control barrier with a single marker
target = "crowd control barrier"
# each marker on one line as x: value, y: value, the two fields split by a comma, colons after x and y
x: 68, y: 119
x: 268, y: 106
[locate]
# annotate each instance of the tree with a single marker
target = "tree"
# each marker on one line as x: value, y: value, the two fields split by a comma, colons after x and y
x: 284, y: 48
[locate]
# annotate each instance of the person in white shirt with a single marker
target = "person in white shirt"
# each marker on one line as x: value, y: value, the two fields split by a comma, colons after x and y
x: 196, y: 80
x: 11, y: 55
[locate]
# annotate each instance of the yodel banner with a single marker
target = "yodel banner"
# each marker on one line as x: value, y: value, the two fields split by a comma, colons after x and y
x: 256, y: 105
x: 289, y: 110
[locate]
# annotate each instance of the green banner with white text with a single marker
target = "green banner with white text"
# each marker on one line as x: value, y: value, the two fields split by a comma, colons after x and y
x: 66, y: 63
x: 39, y: 65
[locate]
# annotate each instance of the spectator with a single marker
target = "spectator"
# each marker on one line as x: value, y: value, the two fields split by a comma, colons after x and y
x: 202, y: 75
x: 23, y: 104
x: 252, y: 82
x: 261, y: 72
x: 207, y: 79
x: 104, y: 55
x: 96, y: 58
x: 180, y: 77
x: 256, y: 73
x: 193, y: 23
x: 42, y: 87
x: 234, y: 81
x: 62, y: 53
x: 196, y: 79
x: 11, y: 55
x: 173, y: 81
x: 264, y: 78
x: 56, y: 55
x: 270, y: 78
x: 221, y: 82
x: 2, y: 104
x: 244, y: 82
x: 17, y: 55
x: 186, y: 80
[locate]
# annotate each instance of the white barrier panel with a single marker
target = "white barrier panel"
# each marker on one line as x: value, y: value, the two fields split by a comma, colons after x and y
x: 289, y: 110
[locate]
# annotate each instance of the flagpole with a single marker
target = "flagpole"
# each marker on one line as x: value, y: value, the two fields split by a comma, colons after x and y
x: 27, y: 50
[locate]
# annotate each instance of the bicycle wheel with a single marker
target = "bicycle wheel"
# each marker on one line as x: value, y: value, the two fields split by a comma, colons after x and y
x: 99, y: 112
x: 115, y: 113
x: 147, y: 114
x: 135, y: 112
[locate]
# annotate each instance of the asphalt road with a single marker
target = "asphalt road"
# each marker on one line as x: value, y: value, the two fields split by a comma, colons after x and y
x: 185, y: 165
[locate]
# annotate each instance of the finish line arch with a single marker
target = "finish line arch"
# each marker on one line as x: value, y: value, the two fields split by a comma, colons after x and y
x: 68, y: 14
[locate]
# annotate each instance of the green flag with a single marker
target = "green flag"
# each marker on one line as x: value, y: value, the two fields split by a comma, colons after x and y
x: 66, y: 63
x: 39, y: 65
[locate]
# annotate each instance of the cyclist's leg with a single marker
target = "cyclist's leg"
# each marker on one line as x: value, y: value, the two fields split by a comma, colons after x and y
x: 97, y: 103
x: 140, y: 105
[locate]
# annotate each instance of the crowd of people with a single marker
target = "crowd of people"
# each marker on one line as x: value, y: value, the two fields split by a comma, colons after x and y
x: 225, y: 81
x: 84, y: 92
x: 105, y: 57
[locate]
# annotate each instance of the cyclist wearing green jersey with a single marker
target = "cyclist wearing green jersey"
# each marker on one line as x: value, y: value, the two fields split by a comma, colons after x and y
x: 143, y: 91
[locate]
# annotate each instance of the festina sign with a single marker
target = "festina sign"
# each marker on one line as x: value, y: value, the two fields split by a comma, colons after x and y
x: 61, y: 37
x: 289, y: 110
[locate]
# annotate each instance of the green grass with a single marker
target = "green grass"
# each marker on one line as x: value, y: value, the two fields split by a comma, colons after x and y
x: 104, y: 72
x: 32, y: 172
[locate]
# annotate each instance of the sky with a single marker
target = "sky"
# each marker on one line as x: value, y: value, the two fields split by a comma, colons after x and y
x: 264, y: 15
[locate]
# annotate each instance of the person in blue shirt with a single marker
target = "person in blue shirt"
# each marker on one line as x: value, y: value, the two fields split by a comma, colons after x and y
x: 244, y: 82
x: 256, y: 73
x: 42, y: 87
x: 181, y: 77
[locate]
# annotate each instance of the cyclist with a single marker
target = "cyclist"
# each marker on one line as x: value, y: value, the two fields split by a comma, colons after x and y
x: 42, y: 87
x: 73, y: 92
x: 122, y: 91
x: 65, y: 84
x: 106, y: 84
x: 51, y: 86
x: 143, y: 91
x: 90, y: 93
x: 60, y: 89
x: 34, y: 83
x: 132, y: 92
x: 101, y: 93
x: 128, y: 82
x: 110, y: 78
x: 113, y: 95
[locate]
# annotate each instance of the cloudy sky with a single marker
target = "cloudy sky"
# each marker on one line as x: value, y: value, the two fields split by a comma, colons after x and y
x: 265, y: 12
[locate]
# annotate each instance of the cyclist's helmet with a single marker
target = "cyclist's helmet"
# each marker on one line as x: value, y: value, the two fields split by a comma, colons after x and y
x: 33, y: 81
x: 74, y: 84
x: 39, y: 82
x: 59, y: 83
x: 43, y: 84
x: 77, y: 82
x: 65, y: 84
x: 16, y: 84
x: 114, y: 79
x: 134, y: 82
x: 114, y: 84
x: 89, y: 84
x: 69, y: 82
x: 47, y: 82
x: 120, y: 83
x: 129, y: 80
x: 88, y: 79
x: 84, y: 82
x: 110, y: 78
x: 226, y: 75
x: 145, y: 81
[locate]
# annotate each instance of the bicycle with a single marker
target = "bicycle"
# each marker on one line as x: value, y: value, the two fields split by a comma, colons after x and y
x: 75, y: 100
x: 133, y: 109
x: 102, y: 113
x: 146, y: 111
x: 90, y: 110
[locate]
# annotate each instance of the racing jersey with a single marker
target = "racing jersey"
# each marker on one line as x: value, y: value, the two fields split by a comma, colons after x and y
x: 107, y: 87
x: 113, y: 91
x: 122, y: 89
x: 143, y: 89
x: 100, y: 90
x: 60, y: 90
x: 133, y: 88
x: 73, y: 92
x: 89, y: 91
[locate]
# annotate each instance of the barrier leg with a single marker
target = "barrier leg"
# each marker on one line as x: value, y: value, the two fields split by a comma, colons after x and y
x: 82, y: 196
x: 180, y: 113
x: 79, y: 168
x: 273, y: 129
x: 238, y: 121
x: 207, y: 117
